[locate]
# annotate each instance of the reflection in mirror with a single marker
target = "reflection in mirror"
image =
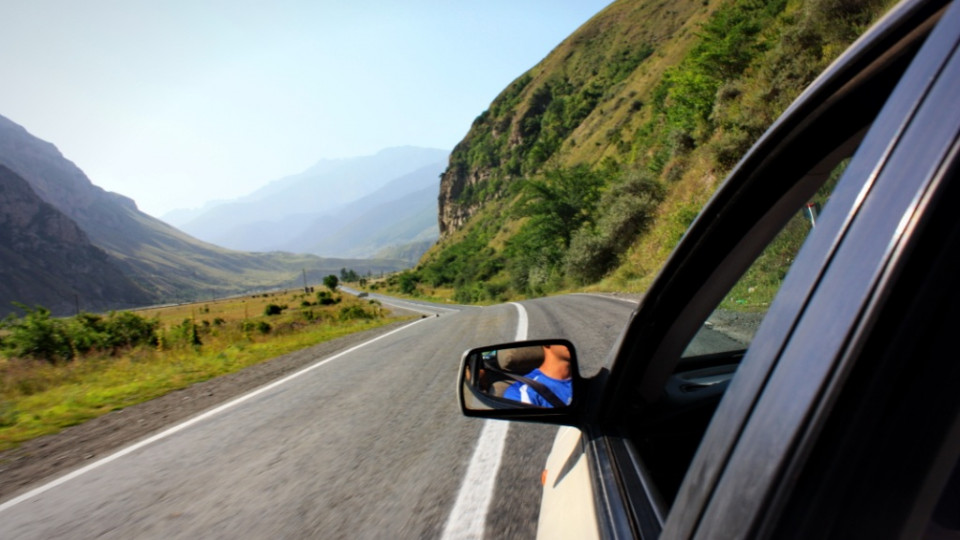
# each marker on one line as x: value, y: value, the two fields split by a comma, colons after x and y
x: 529, y: 374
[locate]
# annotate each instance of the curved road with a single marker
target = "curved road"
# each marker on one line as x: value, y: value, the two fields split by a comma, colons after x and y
x: 368, y: 443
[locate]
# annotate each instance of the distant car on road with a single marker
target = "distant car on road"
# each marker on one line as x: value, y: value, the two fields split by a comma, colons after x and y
x: 839, y: 417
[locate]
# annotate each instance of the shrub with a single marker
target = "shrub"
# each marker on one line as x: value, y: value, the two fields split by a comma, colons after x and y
x: 37, y: 335
x: 630, y: 206
x: 185, y: 333
x: 408, y: 282
x: 324, y: 298
x: 259, y: 326
x: 348, y: 313
x: 126, y: 329
x: 273, y: 309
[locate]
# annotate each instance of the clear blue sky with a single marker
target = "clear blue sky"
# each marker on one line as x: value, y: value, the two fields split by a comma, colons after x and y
x: 177, y: 102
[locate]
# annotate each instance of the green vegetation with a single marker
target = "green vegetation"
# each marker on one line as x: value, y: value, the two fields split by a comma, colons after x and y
x: 349, y: 275
x: 274, y: 309
x: 587, y: 170
x: 56, y: 373
x: 758, y: 286
x: 38, y: 335
x: 331, y: 282
x: 556, y: 236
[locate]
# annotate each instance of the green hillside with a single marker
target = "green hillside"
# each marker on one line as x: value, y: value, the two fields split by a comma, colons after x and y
x: 587, y: 169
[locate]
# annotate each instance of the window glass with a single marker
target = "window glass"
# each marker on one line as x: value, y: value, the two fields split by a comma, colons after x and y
x: 734, y: 322
x: 670, y: 433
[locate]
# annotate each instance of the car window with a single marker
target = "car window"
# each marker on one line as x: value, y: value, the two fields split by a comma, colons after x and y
x: 731, y: 326
x: 669, y: 436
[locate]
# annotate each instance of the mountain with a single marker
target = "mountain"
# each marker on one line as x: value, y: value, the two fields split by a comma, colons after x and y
x: 46, y: 259
x: 411, y: 252
x: 165, y: 263
x: 297, y: 212
x: 401, y: 212
x: 589, y: 167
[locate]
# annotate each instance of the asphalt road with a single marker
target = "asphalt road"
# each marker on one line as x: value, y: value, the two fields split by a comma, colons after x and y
x: 365, y: 444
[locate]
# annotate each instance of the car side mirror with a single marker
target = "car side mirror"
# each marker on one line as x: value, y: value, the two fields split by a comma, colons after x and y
x: 528, y: 377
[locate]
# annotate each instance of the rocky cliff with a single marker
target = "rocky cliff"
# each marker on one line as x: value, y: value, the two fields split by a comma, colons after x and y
x: 579, y: 105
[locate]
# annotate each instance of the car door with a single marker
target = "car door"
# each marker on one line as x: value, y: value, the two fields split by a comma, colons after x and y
x: 705, y: 445
x: 859, y: 406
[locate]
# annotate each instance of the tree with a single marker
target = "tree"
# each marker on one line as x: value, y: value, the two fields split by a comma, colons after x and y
x: 331, y: 282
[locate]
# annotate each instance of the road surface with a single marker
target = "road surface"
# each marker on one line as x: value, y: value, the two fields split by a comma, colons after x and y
x: 368, y: 443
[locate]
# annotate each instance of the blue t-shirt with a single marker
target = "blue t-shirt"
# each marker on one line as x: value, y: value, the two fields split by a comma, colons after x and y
x: 522, y: 392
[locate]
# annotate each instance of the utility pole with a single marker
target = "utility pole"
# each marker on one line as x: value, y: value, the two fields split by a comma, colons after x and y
x: 305, y: 289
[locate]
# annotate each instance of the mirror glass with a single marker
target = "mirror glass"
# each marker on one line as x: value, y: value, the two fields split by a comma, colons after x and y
x: 530, y: 374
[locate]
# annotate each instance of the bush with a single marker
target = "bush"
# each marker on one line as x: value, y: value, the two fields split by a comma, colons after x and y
x: 348, y: 313
x: 37, y: 335
x: 630, y: 206
x: 126, y: 329
x: 324, y: 298
x: 185, y: 333
x: 262, y: 327
x: 408, y: 282
x: 273, y: 309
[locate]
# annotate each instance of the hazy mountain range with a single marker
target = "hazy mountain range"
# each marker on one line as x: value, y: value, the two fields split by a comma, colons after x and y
x: 345, y: 208
x: 66, y: 243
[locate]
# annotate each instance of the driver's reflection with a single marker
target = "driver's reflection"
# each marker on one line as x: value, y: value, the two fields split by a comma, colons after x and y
x: 554, y: 374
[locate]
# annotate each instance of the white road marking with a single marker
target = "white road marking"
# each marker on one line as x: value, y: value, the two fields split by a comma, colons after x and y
x: 469, y: 515
x: 429, y: 310
x: 522, y: 322
x: 395, y: 302
x: 468, y: 518
x: 625, y: 300
x: 184, y: 425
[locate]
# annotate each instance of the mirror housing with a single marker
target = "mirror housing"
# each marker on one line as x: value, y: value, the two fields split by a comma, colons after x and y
x: 534, y: 380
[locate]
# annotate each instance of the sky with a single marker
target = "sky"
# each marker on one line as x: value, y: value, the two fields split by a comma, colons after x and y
x: 178, y: 102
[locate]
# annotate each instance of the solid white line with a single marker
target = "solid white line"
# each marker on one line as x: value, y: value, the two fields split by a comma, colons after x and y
x: 468, y: 518
x: 522, y: 323
x: 184, y: 425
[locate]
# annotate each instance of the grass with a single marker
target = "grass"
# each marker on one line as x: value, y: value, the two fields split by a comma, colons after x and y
x: 38, y: 398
